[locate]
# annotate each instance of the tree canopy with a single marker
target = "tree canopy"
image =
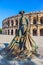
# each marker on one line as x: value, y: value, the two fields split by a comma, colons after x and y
x: 0, y: 30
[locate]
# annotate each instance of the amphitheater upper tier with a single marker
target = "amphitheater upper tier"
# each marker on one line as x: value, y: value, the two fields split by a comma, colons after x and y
x: 10, y: 25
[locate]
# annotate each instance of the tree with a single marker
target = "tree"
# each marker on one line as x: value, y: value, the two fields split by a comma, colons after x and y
x: 0, y: 30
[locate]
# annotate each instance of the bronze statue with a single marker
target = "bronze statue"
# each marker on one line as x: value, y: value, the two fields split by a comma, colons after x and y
x: 23, y: 42
x: 23, y: 24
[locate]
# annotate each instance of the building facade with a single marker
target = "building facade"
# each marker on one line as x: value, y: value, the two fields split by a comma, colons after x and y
x: 10, y: 25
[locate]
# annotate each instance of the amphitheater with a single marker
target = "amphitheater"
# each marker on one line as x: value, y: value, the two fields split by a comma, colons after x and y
x: 10, y: 27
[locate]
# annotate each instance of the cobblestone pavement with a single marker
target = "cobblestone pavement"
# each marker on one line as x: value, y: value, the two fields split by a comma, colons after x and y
x: 34, y: 61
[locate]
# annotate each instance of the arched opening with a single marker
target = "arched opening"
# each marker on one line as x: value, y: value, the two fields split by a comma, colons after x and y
x: 16, y: 22
x: 34, y: 32
x: 16, y: 32
x: 11, y: 32
x: 41, y: 32
x: 12, y: 22
x: 8, y: 23
x: 41, y: 20
x: 8, y: 32
x: 34, y: 21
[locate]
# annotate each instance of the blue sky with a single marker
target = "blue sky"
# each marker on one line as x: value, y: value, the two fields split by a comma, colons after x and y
x: 12, y: 7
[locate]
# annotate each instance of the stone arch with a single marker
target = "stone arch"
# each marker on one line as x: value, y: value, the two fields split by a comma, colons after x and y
x: 8, y: 23
x: 34, y: 32
x: 41, y: 32
x: 12, y: 22
x: 16, y: 32
x: 41, y: 20
x: 34, y: 20
x: 16, y: 22
x: 8, y: 32
x: 11, y: 32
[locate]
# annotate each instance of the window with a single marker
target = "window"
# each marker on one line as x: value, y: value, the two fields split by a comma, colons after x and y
x: 16, y: 22
x: 41, y: 20
x: 16, y: 32
x: 12, y: 23
x: 34, y: 32
x: 8, y: 23
x: 11, y: 32
x: 41, y: 32
x: 8, y: 32
x: 34, y: 21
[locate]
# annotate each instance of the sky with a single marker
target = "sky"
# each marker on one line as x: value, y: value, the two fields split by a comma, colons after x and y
x: 13, y: 7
